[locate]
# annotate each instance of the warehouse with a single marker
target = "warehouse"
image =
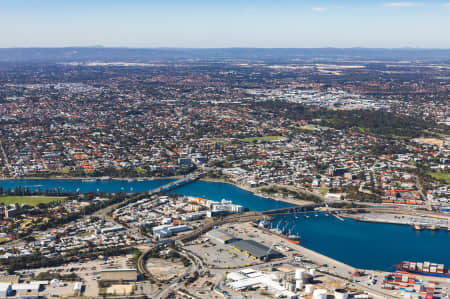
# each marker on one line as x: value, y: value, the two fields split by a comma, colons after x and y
x: 27, y: 290
x: 116, y: 275
x: 221, y: 236
x: 256, y: 250
x: 167, y: 230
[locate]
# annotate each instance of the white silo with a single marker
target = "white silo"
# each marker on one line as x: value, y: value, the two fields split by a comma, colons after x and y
x: 320, y: 294
x: 299, y: 284
x: 312, y: 271
x: 309, y: 289
x: 299, y: 273
x: 340, y: 294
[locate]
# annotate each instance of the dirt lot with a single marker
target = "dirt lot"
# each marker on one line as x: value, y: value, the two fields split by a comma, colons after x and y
x: 165, y: 269
x: 120, y: 289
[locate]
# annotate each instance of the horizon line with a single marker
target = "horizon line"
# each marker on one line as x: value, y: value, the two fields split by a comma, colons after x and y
x: 222, y: 48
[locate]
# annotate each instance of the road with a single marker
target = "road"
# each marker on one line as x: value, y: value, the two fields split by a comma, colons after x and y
x: 178, y: 282
x: 5, y: 156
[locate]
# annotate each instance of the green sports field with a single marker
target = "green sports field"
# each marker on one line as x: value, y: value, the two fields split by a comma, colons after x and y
x: 29, y: 200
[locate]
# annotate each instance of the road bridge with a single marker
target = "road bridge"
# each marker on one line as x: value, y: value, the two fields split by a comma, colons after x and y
x: 178, y: 183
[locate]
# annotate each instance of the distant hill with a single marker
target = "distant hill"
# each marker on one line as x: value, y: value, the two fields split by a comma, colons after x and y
x: 80, y: 54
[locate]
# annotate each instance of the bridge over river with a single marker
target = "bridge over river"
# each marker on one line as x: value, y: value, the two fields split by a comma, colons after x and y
x: 178, y: 183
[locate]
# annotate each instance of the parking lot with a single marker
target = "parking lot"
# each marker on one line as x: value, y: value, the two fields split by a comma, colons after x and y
x: 220, y: 255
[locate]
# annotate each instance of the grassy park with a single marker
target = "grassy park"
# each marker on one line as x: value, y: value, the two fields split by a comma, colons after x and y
x: 444, y: 176
x: 29, y: 200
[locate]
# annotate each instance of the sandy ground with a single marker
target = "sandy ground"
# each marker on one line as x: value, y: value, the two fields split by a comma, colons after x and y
x: 164, y: 269
x: 432, y: 141
x: 120, y: 289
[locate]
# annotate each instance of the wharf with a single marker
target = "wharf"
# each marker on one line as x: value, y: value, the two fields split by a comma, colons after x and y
x: 423, y: 222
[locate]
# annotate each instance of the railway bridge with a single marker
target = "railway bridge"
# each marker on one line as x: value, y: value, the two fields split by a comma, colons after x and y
x: 292, y: 210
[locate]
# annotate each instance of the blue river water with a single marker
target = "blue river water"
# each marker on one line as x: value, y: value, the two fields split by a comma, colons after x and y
x: 219, y: 191
x: 360, y: 244
x: 85, y: 186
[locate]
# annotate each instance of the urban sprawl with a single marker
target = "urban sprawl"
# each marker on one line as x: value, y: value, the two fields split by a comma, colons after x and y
x: 357, y: 138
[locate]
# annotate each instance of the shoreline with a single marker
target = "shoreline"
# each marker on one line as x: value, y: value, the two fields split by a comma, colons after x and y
x: 255, y: 191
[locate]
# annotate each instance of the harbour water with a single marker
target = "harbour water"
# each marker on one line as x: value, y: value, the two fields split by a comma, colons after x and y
x: 359, y: 244
x: 365, y: 245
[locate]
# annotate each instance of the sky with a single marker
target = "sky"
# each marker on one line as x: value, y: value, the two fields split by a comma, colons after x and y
x: 225, y: 23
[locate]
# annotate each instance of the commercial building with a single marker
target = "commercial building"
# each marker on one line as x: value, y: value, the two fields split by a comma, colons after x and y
x: 256, y: 250
x: 225, y: 207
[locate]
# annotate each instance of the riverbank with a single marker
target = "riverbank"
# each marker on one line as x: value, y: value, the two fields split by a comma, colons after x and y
x: 256, y: 192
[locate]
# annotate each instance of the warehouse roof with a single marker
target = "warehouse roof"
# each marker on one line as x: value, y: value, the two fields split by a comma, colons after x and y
x: 221, y: 235
x: 118, y: 270
x: 255, y: 249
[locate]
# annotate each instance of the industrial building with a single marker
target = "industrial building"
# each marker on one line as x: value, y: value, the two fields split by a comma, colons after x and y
x: 256, y: 250
x: 118, y: 275
x: 249, y: 278
x: 78, y: 287
x: 27, y: 290
x: 221, y: 236
x: 167, y: 230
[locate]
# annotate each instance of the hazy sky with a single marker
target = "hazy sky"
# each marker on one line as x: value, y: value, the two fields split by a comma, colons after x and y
x: 225, y: 23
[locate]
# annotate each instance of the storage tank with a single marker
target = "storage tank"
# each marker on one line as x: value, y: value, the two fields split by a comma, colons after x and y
x: 312, y: 272
x: 299, y: 284
x: 309, y: 289
x: 320, y: 294
x: 299, y: 273
x: 340, y: 294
